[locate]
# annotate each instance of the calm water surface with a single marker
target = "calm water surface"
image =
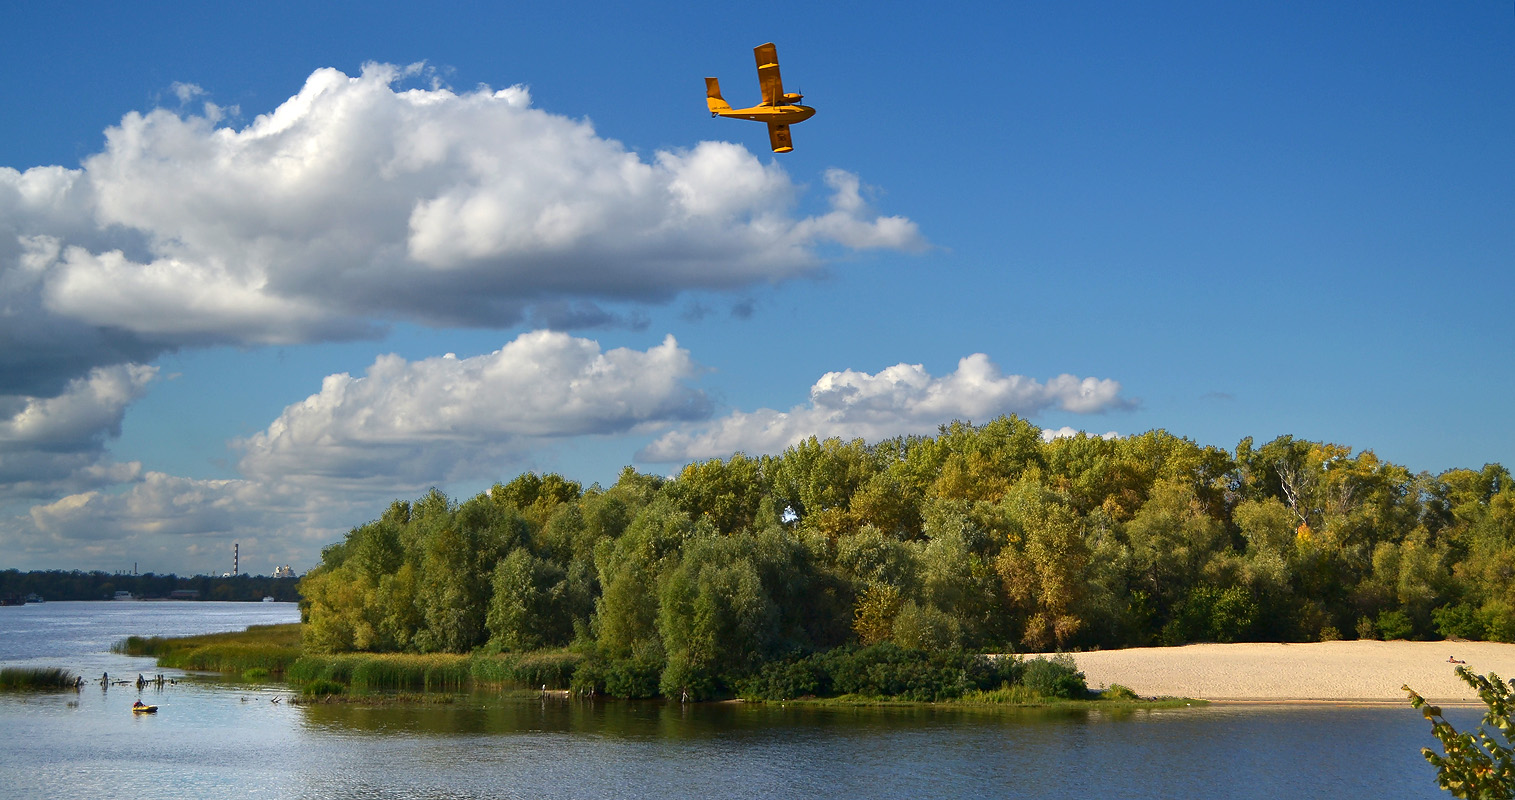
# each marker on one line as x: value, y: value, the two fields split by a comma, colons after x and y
x: 215, y: 739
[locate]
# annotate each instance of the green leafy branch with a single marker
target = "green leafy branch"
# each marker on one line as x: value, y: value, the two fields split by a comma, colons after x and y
x: 1476, y: 765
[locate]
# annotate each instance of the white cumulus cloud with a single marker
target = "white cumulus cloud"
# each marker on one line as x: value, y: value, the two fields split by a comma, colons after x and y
x: 191, y: 523
x: 54, y: 444
x: 413, y: 423
x: 902, y: 399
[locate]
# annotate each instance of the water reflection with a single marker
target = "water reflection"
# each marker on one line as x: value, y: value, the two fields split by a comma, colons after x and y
x: 489, y: 747
x: 212, y: 739
x: 647, y: 719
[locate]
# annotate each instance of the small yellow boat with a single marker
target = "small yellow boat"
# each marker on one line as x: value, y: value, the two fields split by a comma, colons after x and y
x: 140, y: 708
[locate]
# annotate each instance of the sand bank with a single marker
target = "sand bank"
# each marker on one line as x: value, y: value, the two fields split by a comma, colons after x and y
x: 1361, y: 671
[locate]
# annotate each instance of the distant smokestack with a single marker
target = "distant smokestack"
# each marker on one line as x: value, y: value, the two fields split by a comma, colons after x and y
x: 234, y: 555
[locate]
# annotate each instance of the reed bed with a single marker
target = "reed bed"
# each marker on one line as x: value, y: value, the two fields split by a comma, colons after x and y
x: 273, y: 648
x: 551, y: 668
x: 368, y: 673
x: 36, y: 679
x: 1009, y: 694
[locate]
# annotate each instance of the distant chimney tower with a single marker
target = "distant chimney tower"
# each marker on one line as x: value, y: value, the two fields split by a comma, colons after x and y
x: 234, y: 555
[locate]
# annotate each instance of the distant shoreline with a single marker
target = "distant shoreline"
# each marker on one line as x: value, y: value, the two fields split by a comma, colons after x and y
x: 1355, y: 672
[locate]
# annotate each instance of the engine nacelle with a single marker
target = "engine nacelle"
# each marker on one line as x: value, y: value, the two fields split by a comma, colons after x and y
x: 790, y: 98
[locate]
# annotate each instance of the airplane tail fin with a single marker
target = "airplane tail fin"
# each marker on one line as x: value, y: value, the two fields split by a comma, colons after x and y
x: 713, y: 97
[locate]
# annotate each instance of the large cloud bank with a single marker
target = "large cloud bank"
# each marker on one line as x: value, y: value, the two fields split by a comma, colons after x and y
x: 357, y: 202
x: 901, y: 399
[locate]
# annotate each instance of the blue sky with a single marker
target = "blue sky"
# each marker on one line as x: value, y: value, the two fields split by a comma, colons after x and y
x: 264, y: 269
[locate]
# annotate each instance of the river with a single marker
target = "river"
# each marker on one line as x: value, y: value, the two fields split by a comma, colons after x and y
x: 226, y: 739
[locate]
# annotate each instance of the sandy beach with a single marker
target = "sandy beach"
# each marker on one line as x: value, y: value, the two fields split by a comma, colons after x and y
x: 1358, y: 672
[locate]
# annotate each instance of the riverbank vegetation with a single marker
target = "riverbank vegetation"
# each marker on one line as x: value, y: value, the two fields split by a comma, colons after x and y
x: 878, y: 672
x: 751, y: 572
x: 36, y: 679
x: 259, y: 651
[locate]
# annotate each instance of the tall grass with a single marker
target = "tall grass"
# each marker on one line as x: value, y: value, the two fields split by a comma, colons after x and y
x: 367, y: 673
x: 1008, y: 694
x: 21, y: 679
x: 551, y: 668
x: 262, y: 647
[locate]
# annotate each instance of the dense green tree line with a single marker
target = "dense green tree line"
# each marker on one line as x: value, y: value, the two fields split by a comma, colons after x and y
x: 77, y: 585
x: 983, y: 538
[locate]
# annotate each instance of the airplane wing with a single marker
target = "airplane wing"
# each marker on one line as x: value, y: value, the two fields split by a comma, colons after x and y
x: 778, y: 136
x: 768, y: 74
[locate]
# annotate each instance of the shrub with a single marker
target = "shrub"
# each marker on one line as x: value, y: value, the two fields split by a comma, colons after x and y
x: 888, y: 670
x: 882, y: 670
x: 1459, y: 621
x: 1119, y: 692
x: 983, y: 672
x: 924, y: 627
x: 1366, y: 629
x: 784, y: 680
x: 618, y: 677
x: 588, y: 677
x: 1395, y: 625
x: 1057, y: 677
x: 1212, y: 615
x: 632, y: 678
x: 1498, y: 621
x: 1232, y: 615
x: 687, y: 679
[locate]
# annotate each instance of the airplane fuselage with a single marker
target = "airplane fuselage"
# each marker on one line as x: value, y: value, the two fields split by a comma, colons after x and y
x: 779, y: 108
x: 781, y: 115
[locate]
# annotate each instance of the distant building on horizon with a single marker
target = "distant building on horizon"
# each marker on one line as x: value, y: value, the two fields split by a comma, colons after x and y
x: 285, y: 571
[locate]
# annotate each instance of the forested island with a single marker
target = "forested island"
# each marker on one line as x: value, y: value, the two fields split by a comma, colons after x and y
x: 773, y: 576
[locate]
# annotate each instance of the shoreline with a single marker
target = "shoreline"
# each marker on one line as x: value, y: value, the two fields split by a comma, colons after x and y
x: 1364, y: 672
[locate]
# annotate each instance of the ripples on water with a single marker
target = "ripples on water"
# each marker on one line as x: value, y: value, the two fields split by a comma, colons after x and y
x: 215, y: 739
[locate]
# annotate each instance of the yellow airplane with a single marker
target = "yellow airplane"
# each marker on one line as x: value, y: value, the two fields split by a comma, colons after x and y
x: 778, y: 109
